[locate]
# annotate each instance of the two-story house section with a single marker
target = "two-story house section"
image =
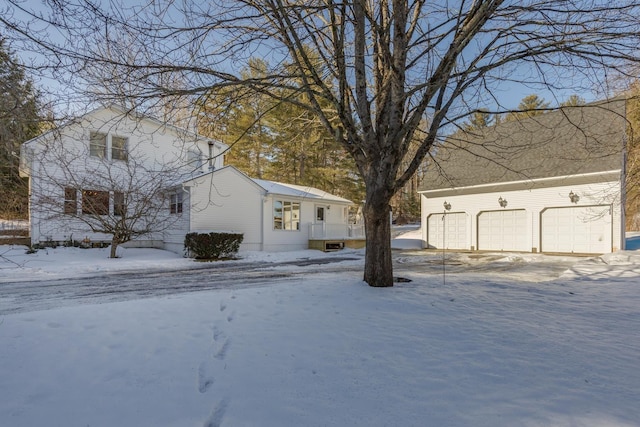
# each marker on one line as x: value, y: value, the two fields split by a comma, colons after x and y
x: 107, y: 165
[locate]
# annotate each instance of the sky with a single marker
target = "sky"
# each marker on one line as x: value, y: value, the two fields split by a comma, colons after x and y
x: 508, y: 93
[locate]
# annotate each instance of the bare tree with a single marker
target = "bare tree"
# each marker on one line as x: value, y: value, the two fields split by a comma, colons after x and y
x: 392, y: 71
x: 115, y: 189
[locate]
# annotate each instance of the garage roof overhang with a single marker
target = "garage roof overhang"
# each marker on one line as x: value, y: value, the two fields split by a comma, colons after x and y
x: 556, y: 181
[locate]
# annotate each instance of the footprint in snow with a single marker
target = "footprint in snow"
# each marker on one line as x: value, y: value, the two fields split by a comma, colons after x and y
x: 222, y: 351
x: 205, y: 381
x: 217, y: 333
x: 217, y: 416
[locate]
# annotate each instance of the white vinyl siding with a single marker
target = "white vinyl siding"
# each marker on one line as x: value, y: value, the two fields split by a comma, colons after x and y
x: 533, y: 202
x: 226, y: 200
x: 94, y: 144
x: 503, y: 230
x: 447, y: 231
x: 577, y: 229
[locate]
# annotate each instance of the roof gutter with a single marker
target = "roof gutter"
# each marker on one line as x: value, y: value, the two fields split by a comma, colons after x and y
x: 530, y: 184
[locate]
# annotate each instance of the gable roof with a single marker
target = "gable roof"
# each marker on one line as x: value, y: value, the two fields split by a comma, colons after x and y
x: 299, y: 191
x: 570, y: 141
x: 276, y: 188
x: 132, y: 114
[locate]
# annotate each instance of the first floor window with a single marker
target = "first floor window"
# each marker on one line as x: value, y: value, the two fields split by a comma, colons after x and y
x: 70, y: 201
x: 95, y: 202
x: 118, y: 204
x: 175, y: 203
x: 286, y: 215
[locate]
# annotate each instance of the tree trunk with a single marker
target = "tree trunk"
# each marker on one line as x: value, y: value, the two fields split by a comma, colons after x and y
x: 378, y: 267
x: 114, y: 248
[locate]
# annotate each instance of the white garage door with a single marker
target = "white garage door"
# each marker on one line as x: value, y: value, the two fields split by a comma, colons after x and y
x: 503, y: 230
x: 577, y: 229
x: 448, y: 231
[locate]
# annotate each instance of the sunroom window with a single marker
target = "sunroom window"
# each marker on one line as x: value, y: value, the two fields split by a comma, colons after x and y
x: 286, y: 215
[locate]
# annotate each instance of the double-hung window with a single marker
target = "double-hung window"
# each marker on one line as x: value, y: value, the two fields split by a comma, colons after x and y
x: 95, y: 202
x: 70, y: 201
x: 119, y: 207
x: 118, y: 148
x: 286, y: 215
x: 106, y: 146
x: 98, y: 145
x: 175, y: 203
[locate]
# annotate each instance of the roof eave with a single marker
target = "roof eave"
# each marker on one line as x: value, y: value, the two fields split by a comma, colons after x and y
x: 556, y: 181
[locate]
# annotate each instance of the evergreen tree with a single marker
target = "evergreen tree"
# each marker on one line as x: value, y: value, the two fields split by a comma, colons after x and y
x: 19, y: 122
x: 632, y: 207
x: 240, y: 119
x: 573, y: 101
x: 479, y: 120
x: 530, y: 106
x: 279, y: 141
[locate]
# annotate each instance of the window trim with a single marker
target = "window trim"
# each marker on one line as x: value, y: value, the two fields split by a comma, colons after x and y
x: 70, y: 201
x: 101, y: 146
x: 119, y: 205
x: 280, y: 220
x: 123, y: 153
x: 97, y: 149
x: 176, y: 203
x: 95, y: 202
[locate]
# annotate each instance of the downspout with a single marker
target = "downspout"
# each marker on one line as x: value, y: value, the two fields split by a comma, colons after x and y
x: 623, y: 180
x: 264, y: 200
x: 188, y: 193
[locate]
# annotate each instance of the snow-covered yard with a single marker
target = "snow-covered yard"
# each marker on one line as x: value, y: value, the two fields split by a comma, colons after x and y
x: 327, y: 350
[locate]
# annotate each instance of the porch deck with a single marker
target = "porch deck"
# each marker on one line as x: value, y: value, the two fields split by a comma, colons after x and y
x: 333, y: 237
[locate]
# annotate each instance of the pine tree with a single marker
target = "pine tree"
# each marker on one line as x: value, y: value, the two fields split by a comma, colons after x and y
x: 19, y: 122
x: 573, y: 101
x: 530, y: 106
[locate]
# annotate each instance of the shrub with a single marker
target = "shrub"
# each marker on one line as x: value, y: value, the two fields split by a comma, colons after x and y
x: 214, y: 245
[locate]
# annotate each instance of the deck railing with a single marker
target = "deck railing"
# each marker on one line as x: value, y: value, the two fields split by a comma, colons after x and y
x: 323, y: 231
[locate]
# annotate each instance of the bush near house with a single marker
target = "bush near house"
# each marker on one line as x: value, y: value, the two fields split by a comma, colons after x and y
x: 213, y: 245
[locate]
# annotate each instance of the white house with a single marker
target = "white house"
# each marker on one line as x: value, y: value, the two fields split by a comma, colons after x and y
x: 272, y: 216
x: 110, y: 164
x: 550, y: 183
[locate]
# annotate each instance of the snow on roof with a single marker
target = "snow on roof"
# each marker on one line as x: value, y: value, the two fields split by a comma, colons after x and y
x: 301, y: 191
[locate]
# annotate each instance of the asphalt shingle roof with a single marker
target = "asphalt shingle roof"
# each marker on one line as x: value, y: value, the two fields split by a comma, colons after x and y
x: 569, y: 141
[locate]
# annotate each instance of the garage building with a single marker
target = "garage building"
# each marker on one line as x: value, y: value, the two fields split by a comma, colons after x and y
x: 549, y: 183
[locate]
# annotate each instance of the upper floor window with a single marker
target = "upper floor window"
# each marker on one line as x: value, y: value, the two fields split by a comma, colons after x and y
x: 98, y: 145
x: 118, y: 148
x: 175, y: 203
x: 286, y: 215
x: 102, y: 144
